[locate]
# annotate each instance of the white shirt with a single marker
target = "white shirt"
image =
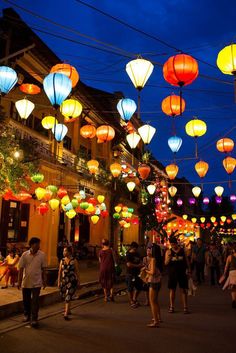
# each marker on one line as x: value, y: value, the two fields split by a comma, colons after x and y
x: 33, y: 265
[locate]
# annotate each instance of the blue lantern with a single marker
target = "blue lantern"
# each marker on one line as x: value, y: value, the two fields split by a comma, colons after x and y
x: 69, y: 207
x: 8, y: 79
x: 57, y: 87
x: 175, y: 143
x: 60, y: 131
x: 126, y: 108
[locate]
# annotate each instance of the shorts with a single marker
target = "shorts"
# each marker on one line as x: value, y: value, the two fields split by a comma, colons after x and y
x: 155, y: 286
x: 134, y: 282
x: 180, y: 279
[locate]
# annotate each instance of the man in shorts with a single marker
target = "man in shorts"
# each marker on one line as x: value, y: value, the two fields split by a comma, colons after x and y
x: 133, y: 281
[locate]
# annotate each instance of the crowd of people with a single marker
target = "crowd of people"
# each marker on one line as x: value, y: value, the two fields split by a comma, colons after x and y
x: 185, y: 266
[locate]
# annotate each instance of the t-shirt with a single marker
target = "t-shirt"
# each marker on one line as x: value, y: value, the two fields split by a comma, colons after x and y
x: 133, y: 258
x: 33, y: 264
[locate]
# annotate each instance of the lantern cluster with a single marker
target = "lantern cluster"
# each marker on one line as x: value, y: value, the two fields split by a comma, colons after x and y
x: 124, y: 215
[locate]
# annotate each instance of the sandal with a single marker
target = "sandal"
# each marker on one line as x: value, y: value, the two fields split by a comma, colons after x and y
x: 153, y: 324
x: 171, y: 310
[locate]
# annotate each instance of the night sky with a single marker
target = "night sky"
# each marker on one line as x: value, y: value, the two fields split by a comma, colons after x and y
x: 200, y: 28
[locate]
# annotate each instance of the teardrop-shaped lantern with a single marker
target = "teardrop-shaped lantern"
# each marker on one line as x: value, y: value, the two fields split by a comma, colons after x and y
x: 24, y: 108
x: 93, y: 166
x: 219, y: 190
x: 202, y: 219
x: 48, y: 122
x: 195, y: 128
x: 144, y: 171
x: 71, y: 108
x: 8, y: 79
x: 126, y: 108
x: 172, y: 171
x: 173, y: 105
x: 151, y: 189
x: 196, y: 191
x: 194, y: 220
x: 175, y: 143
x: 172, y: 191
x: 40, y: 192
x: 225, y: 145
x: 57, y: 87
x: 185, y: 217
x: 54, y: 204
x: 201, y: 168
x: 88, y: 131
x: 68, y: 70
x: 131, y: 185
x: 115, y: 169
x: 71, y: 214
x: 229, y: 164
x: 59, y: 131
x: 139, y: 71
x: 105, y: 133
x: 94, y: 219
x: 213, y: 219
x: 133, y: 139
x: 146, y: 132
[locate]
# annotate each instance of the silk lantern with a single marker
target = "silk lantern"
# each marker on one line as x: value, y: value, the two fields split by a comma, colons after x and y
x: 172, y: 191
x: 172, y: 105
x: 30, y: 88
x: 146, y: 132
x: 172, y: 171
x: 229, y: 164
x: 40, y: 192
x: 219, y: 190
x: 195, y: 128
x: 115, y: 169
x: 42, y: 208
x: 100, y: 198
x: 48, y: 122
x: 201, y: 168
x: 175, y: 143
x: 226, y: 62
x: 24, y: 108
x: 225, y: 145
x: 105, y: 133
x: 133, y: 139
x: 126, y: 108
x: 139, y: 71
x: 37, y: 177
x: 61, y: 192
x: 8, y: 79
x: 59, y: 131
x: 88, y: 131
x: 93, y: 166
x: 71, y: 108
x: 71, y: 214
x: 54, y: 204
x: 68, y: 70
x: 57, y: 87
x: 131, y: 185
x: 151, y: 189
x: 95, y: 219
x: 144, y: 171
x: 196, y: 191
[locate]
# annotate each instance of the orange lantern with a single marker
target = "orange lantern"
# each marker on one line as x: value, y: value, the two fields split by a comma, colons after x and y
x: 173, y: 105
x: 144, y: 171
x: 23, y: 196
x: 29, y: 88
x: 88, y: 131
x: 115, y: 169
x: 67, y: 70
x: 93, y: 166
x: 225, y: 145
x: 172, y: 171
x: 229, y: 164
x: 105, y: 133
x: 201, y: 168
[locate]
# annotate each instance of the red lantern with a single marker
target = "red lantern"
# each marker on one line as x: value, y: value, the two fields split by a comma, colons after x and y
x: 93, y: 201
x: 144, y: 171
x: 88, y: 131
x: 30, y: 88
x: 173, y: 105
x: 104, y: 213
x: 61, y: 192
x: 105, y: 133
x: 42, y: 208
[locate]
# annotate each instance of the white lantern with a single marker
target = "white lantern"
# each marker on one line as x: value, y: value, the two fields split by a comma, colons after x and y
x: 172, y: 190
x: 219, y: 190
x: 131, y: 185
x: 146, y: 132
x: 151, y: 189
x: 196, y: 191
x: 139, y: 71
x: 24, y: 108
x: 133, y: 139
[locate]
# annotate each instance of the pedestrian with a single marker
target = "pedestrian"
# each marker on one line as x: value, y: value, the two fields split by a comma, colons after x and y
x: 230, y: 275
x: 214, y: 261
x: 133, y: 281
x: 107, y: 270
x: 68, y: 279
x: 178, y: 267
x: 199, y: 259
x: 10, y: 271
x: 32, y: 270
x: 143, y: 274
x: 154, y: 282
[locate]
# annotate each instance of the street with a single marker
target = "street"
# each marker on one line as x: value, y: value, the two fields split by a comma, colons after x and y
x: 115, y: 327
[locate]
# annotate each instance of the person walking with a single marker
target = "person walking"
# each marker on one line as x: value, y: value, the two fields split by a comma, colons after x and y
x: 178, y: 265
x: 214, y: 261
x: 32, y: 276
x: 107, y: 270
x: 11, y: 271
x: 199, y: 259
x: 133, y: 281
x: 230, y: 270
x: 68, y: 278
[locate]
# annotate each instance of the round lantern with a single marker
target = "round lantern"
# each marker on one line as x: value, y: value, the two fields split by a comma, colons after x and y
x: 179, y: 202
x: 54, y: 204
x: 192, y: 201
x: 57, y: 87
x: 144, y: 171
x: 213, y: 219
x: 172, y: 191
x: 84, y: 205
x: 229, y: 164
x: 30, y: 88
x: 65, y: 200
x: 133, y: 139
x: 40, y: 193
x: 172, y: 171
x: 75, y: 203
x: 61, y: 192
x: 115, y: 169
x: 24, y: 108
x: 71, y: 108
x: 173, y: 105
x: 59, y: 131
x: 225, y: 145
x: 219, y: 190
x: 196, y: 191
x: 37, y: 178
x: 71, y: 214
x: 226, y: 60
x: 116, y: 216
x: 48, y: 122
x: 52, y: 188
x: 201, y: 168
x: 175, y: 143
x: 67, y: 70
x: 206, y: 200
x: 100, y: 198
x: 8, y: 79
x: 185, y: 216
x: 151, y: 189
x: 131, y: 185
x: 218, y: 199
x: 232, y: 198
x: 93, y: 166
x: 105, y: 133
x: 126, y: 108
x: 139, y: 71
x: 42, y: 208
x: 180, y: 70
x: 95, y: 219
x: 233, y: 216
x: 146, y: 132
x: 88, y: 131
x: 195, y: 128
x: 23, y: 196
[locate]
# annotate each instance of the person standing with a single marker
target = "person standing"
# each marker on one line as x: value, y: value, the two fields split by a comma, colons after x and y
x: 213, y: 260
x: 68, y: 278
x: 230, y: 270
x: 133, y: 281
x: 107, y: 270
x: 199, y: 255
x: 11, y: 262
x: 32, y: 276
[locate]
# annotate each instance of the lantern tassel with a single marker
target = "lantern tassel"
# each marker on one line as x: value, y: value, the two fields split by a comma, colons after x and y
x: 115, y: 185
x: 196, y: 148
x: 139, y: 102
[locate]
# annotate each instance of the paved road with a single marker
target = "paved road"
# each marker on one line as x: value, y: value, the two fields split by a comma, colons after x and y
x: 101, y: 327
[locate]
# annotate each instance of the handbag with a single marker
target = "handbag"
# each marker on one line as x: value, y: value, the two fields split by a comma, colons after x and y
x: 144, y: 276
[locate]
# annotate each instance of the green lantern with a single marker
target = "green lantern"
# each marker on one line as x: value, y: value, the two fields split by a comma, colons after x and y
x: 37, y: 178
x: 116, y: 216
x: 130, y: 210
x: 52, y: 188
x: 84, y: 205
x: 74, y: 203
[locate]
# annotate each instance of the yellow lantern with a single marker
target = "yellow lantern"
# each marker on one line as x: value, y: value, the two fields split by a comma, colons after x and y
x: 126, y: 225
x: 223, y: 218
x: 40, y: 193
x: 94, y: 219
x: 90, y: 208
x: 151, y: 189
x: 172, y: 171
x: 117, y: 209
x: 213, y: 219
x: 201, y: 168
x: 194, y: 220
x: 196, y: 191
x: 131, y: 185
x: 202, y: 219
x: 48, y: 122
x: 226, y: 60
x: 185, y: 217
x: 195, y: 128
x: 71, y: 214
x: 115, y: 169
x: 233, y: 216
x: 65, y: 200
x: 93, y: 166
x: 24, y: 108
x: 71, y: 108
x: 54, y: 203
x: 100, y: 198
x: 146, y: 132
x: 172, y: 190
x: 133, y: 139
x: 139, y: 71
x: 219, y: 190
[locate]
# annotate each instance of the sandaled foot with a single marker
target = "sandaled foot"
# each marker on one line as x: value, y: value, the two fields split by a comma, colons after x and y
x: 171, y: 310
x: 186, y: 311
x: 153, y: 324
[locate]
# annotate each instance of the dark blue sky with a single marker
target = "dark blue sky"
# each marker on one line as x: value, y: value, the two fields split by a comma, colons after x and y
x: 200, y: 28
